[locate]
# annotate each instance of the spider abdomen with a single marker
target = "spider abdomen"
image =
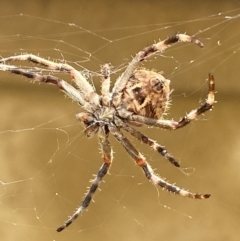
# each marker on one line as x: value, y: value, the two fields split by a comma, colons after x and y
x: 147, y: 93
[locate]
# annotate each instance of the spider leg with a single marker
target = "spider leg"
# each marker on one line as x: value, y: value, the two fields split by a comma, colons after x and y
x: 142, y: 55
x: 170, y: 124
x: 68, y: 89
x: 105, y: 70
x: 141, y: 137
x: 107, y: 158
x: 79, y: 79
x: 154, y: 178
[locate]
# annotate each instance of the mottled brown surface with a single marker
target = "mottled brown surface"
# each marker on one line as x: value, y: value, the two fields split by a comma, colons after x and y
x: 147, y: 93
x: 43, y: 151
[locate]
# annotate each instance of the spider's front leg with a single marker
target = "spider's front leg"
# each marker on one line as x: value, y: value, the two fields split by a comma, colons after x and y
x: 81, y: 82
x: 208, y: 105
x: 87, y: 91
x: 173, y: 125
x: 107, y: 159
x: 144, y: 54
x: 68, y: 89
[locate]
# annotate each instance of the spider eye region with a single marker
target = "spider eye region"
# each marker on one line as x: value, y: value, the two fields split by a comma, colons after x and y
x: 159, y: 83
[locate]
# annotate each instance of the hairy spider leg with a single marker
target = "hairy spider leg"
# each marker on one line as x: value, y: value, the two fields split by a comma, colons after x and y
x: 154, y: 178
x: 142, y: 55
x: 105, y: 71
x: 68, y: 89
x: 173, y: 125
x: 78, y: 78
x: 107, y: 159
x: 153, y: 144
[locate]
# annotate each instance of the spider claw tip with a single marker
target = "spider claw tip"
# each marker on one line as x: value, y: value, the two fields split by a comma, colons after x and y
x: 60, y: 229
x: 206, y: 196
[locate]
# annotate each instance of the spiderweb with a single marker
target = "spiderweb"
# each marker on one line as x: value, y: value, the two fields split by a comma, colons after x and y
x: 47, y: 162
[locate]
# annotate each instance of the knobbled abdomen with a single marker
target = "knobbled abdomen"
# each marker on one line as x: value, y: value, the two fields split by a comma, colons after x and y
x: 147, y: 93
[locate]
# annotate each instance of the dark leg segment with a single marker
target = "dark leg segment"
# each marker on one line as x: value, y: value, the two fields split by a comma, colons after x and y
x: 107, y: 157
x: 142, y: 55
x: 203, y: 108
x: 173, y: 125
x: 155, y: 179
x: 78, y: 78
x: 157, y: 147
x: 68, y: 89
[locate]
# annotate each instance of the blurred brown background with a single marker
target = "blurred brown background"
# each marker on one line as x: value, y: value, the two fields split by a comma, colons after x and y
x: 45, y: 160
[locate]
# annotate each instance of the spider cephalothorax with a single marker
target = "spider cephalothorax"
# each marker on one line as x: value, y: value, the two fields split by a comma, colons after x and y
x: 139, y: 97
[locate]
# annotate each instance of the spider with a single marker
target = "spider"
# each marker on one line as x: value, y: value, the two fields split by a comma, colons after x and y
x: 139, y: 97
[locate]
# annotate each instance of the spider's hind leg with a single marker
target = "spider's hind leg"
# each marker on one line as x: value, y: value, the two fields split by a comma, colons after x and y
x: 154, y: 178
x: 188, y: 118
x: 107, y: 158
x: 153, y: 144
